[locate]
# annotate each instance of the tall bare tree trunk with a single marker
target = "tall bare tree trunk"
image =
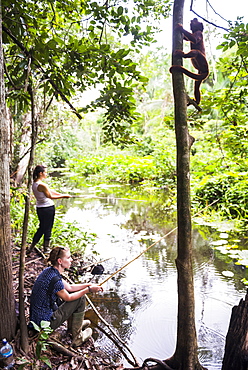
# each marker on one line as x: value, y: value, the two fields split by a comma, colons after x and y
x: 7, y: 302
x: 185, y: 356
x: 23, y: 324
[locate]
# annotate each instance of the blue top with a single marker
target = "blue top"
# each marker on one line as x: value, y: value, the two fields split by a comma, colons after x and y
x: 40, y: 300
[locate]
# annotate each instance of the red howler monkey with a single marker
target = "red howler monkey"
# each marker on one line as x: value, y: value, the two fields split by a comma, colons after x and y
x: 197, y: 55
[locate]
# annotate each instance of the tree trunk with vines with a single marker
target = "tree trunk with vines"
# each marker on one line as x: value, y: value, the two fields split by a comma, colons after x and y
x: 23, y: 324
x: 7, y: 302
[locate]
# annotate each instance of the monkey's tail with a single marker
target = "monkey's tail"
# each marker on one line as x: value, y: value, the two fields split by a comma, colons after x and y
x: 195, y: 76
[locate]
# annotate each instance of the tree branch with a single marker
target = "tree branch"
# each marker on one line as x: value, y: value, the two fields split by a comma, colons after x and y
x: 36, y: 62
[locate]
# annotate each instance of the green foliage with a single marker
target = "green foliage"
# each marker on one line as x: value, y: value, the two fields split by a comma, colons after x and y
x: 219, y: 161
x: 17, y: 204
x: 125, y: 168
x: 71, y: 235
x: 63, y: 143
x: 121, y: 112
x: 237, y: 36
x: 219, y: 154
x: 63, y: 50
x: 44, y: 330
x: 231, y: 190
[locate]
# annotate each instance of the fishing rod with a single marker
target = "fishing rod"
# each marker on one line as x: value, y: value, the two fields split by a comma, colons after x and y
x: 134, y: 361
x: 164, y: 236
x: 116, y: 338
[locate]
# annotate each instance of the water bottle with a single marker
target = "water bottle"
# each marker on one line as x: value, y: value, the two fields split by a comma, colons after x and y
x: 6, y: 355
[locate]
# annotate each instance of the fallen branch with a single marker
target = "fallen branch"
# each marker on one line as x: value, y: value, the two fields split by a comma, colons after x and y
x: 36, y: 259
x: 133, y: 363
x: 40, y: 252
x: 58, y: 347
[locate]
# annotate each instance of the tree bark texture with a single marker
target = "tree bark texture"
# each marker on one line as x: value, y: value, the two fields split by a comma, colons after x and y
x: 185, y: 356
x: 236, y: 348
x: 24, y: 148
x: 23, y: 324
x: 7, y: 302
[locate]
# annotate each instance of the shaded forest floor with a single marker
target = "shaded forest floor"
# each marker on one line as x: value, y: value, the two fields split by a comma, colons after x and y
x: 85, y: 357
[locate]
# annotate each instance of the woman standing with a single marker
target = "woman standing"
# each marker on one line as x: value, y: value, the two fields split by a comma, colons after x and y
x: 49, y: 286
x: 44, y: 206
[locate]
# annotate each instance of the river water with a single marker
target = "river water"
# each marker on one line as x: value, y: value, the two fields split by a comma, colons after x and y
x: 140, y: 301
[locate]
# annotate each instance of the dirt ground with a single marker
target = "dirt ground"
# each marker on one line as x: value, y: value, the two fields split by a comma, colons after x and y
x: 60, y: 354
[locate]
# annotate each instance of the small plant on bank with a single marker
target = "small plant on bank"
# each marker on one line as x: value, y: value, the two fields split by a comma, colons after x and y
x: 41, y: 345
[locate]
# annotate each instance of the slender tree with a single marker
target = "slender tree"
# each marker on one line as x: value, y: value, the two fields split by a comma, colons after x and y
x: 7, y: 303
x: 185, y: 356
x: 34, y: 127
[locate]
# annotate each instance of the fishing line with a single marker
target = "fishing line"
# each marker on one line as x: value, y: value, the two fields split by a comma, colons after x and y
x: 108, y: 198
x: 170, y: 232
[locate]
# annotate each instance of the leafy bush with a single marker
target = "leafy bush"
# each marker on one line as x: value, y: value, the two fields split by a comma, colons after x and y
x: 230, y: 189
x: 125, y: 168
x: 70, y: 234
x: 62, y: 144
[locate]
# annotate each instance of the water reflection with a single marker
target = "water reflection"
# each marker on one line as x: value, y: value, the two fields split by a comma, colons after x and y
x: 140, y: 302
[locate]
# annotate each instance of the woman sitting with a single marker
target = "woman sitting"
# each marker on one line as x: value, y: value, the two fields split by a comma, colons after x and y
x: 49, y: 286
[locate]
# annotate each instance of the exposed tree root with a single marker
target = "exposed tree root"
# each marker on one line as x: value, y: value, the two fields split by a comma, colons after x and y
x: 160, y: 365
x: 168, y: 364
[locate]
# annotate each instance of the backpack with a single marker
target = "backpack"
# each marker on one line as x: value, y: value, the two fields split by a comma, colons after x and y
x: 54, y: 304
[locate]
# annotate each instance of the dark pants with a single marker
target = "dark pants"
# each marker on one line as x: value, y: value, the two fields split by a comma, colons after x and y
x: 65, y: 310
x: 46, y: 218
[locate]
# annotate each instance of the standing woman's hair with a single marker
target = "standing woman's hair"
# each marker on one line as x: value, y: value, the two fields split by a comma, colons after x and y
x: 56, y: 252
x: 37, y: 170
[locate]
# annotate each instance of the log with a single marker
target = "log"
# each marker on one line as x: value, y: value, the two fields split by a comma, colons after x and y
x: 236, y: 347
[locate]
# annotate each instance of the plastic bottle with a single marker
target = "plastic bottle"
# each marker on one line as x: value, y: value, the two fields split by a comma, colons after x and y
x: 6, y: 355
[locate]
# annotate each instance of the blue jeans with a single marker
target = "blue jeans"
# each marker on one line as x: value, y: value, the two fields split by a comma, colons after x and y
x: 46, y: 218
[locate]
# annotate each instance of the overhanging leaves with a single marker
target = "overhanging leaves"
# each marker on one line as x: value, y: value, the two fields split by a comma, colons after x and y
x: 69, y: 47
